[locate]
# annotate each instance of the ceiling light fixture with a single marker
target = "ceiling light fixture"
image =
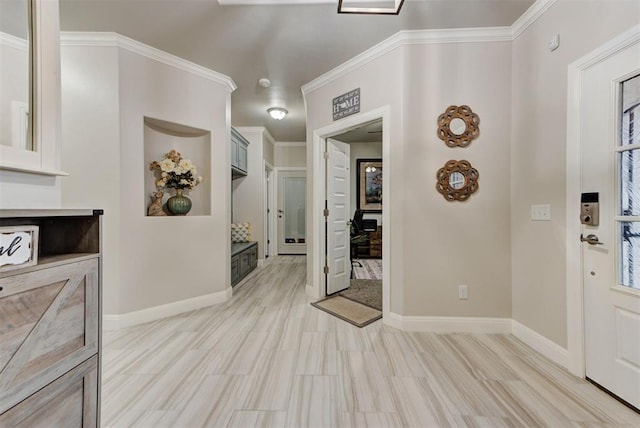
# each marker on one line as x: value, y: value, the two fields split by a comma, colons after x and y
x: 278, y: 113
x: 384, y: 7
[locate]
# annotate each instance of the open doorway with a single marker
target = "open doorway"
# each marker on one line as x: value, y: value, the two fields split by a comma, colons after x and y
x: 316, y: 248
x: 353, y: 238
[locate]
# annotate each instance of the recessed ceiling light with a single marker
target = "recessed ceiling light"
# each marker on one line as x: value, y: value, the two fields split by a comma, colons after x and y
x: 278, y: 113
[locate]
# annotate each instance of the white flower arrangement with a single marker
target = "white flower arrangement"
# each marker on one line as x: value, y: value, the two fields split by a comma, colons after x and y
x: 174, y: 172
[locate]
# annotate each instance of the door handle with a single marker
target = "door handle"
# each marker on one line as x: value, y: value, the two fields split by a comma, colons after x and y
x: 281, y: 212
x: 591, y: 239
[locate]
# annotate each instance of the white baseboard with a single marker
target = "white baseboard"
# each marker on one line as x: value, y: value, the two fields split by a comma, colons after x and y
x: 449, y: 324
x: 538, y: 342
x: 260, y: 262
x: 116, y: 322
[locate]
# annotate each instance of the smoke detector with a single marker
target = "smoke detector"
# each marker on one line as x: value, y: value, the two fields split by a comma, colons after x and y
x: 264, y: 82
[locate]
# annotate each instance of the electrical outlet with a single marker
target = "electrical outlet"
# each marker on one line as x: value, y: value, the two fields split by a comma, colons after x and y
x: 463, y: 293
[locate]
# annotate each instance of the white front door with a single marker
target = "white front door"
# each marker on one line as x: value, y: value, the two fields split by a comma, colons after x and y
x: 610, y: 141
x: 292, y: 231
x: 338, y: 230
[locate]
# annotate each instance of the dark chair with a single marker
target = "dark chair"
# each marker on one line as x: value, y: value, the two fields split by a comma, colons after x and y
x: 360, y: 229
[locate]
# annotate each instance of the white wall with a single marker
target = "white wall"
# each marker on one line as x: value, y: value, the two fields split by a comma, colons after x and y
x: 149, y: 261
x: 290, y: 155
x: 20, y: 190
x: 538, y: 161
x: 91, y: 150
x: 447, y: 244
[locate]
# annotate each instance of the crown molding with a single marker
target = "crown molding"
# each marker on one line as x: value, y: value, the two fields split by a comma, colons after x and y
x: 413, y: 37
x: 290, y: 144
x: 530, y: 16
x: 456, y: 35
x: 617, y: 44
x: 423, y: 37
x: 14, y: 42
x: 110, y: 39
x: 271, y: 2
x: 259, y: 129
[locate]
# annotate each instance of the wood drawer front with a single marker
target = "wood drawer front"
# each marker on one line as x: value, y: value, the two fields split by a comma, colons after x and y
x: 49, y: 326
x: 244, y: 262
x: 235, y: 268
x: 253, y: 256
x: 70, y: 401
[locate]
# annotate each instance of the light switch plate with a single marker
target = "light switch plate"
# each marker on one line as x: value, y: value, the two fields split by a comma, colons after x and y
x: 541, y: 212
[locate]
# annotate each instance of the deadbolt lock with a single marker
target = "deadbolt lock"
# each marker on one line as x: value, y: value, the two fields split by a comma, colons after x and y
x: 590, y: 209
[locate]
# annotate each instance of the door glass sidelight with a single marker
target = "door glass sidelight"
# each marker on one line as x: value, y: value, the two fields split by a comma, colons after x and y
x: 292, y: 229
x: 629, y: 186
x: 294, y: 208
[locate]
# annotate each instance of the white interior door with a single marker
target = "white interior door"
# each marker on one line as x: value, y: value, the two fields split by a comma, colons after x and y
x: 338, y: 231
x: 610, y: 141
x: 292, y: 212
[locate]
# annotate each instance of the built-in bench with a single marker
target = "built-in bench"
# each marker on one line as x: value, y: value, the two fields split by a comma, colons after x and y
x: 244, y: 259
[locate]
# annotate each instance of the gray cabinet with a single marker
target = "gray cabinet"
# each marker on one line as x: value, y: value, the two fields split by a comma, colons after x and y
x: 244, y: 259
x: 235, y: 269
x: 50, y: 333
x: 239, y: 154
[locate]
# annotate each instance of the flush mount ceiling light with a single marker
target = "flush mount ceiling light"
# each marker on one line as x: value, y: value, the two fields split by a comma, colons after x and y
x: 370, y: 7
x: 278, y: 113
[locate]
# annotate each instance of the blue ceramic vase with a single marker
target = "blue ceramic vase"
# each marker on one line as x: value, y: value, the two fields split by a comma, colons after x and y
x: 179, y: 204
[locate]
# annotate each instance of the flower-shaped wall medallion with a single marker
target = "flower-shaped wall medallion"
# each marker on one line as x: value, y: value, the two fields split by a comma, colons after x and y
x: 457, y: 180
x: 458, y: 126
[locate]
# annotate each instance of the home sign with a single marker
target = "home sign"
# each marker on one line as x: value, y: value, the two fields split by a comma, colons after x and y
x: 346, y: 104
x: 18, y: 247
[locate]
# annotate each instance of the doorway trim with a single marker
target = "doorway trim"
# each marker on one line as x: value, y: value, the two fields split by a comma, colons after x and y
x: 575, y: 296
x: 268, y: 203
x: 317, y: 197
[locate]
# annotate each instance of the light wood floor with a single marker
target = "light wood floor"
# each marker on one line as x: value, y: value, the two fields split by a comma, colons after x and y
x: 268, y: 358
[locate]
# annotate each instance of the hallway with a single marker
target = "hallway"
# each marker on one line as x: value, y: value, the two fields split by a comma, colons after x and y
x: 268, y: 358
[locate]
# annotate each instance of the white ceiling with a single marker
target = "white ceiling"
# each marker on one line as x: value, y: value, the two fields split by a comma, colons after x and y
x: 291, y: 44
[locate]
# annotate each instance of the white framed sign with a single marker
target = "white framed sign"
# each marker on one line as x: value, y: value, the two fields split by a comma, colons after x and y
x: 18, y: 247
